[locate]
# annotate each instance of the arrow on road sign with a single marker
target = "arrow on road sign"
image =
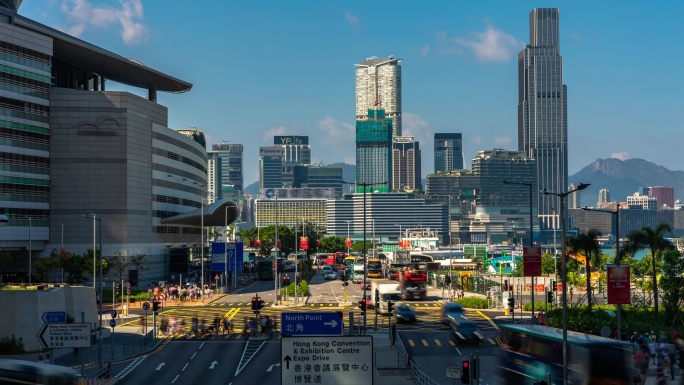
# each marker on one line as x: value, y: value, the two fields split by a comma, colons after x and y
x: 160, y: 366
x: 332, y: 323
x: 287, y: 362
x: 213, y: 364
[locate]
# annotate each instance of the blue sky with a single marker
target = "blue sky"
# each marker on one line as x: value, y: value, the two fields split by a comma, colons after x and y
x: 260, y: 69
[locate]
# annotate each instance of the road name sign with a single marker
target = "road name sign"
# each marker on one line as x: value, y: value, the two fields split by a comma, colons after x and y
x: 64, y: 336
x: 54, y: 317
x: 311, y: 324
x: 326, y: 360
x: 453, y: 372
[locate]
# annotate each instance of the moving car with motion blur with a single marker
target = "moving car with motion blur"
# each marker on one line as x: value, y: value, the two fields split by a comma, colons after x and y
x: 329, y: 275
x: 463, y: 328
x: 405, y: 313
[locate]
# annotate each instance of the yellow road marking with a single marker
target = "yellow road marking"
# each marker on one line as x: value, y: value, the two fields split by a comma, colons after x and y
x: 488, y: 319
x: 412, y: 343
x: 438, y: 342
x: 491, y: 341
x: 452, y: 343
x: 425, y: 343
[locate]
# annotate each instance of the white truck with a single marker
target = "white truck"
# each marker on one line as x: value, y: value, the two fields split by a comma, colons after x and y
x: 381, y: 293
x: 357, y: 272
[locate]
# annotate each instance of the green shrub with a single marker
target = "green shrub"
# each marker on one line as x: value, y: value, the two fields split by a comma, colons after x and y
x: 11, y: 345
x: 302, y: 290
x: 474, y: 302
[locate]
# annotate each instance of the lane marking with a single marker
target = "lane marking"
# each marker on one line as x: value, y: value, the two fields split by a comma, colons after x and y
x: 174, y: 380
x: 193, y: 356
x: 425, y: 343
x: 186, y: 365
x: 412, y: 343
x: 488, y: 319
x: 491, y: 341
x: 438, y: 342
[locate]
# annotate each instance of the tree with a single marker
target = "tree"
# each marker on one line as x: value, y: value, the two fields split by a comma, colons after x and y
x: 139, y: 261
x: 76, y: 266
x: 6, y: 259
x: 656, y: 242
x: 214, y: 233
x: 332, y: 244
x: 358, y: 246
x: 672, y: 283
x: 120, y: 263
x: 587, y: 243
x: 548, y: 264
x: 43, y: 267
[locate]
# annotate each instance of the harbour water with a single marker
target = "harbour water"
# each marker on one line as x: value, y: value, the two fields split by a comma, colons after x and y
x: 611, y: 251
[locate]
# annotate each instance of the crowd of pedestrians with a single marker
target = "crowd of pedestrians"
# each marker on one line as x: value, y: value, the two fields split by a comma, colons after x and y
x: 657, y: 351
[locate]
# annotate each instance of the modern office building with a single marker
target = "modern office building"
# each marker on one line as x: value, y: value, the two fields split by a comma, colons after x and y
x: 458, y: 190
x: 225, y: 175
x: 289, y: 211
x: 378, y: 85
x: 374, y: 152
x: 574, y: 198
x: 638, y: 201
x: 77, y: 148
x: 664, y: 195
x: 603, y: 197
x: 542, y: 109
x: 385, y: 214
x: 270, y: 167
x: 296, y: 152
x: 448, y: 151
x: 319, y: 176
x: 406, y: 164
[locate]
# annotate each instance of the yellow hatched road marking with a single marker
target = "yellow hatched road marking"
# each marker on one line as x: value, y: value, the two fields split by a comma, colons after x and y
x: 488, y: 319
x: 491, y: 341
x: 425, y: 343
x: 452, y: 343
x: 411, y: 343
x: 438, y: 342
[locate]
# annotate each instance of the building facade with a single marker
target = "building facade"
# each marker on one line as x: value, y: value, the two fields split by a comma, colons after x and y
x: 448, y: 152
x: 638, y: 201
x: 603, y: 197
x: 296, y: 152
x: 374, y: 152
x: 289, y: 211
x: 378, y: 85
x: 664, y: 195
x: 319, y: 176
x: 406, y: 164
x: 270, y: 167
x: 542, y: 109
x: 226, y: 178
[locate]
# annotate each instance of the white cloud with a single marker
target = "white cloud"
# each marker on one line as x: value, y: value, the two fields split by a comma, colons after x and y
x: 268, y: 135
x: 425, y: 50
x: 624, y: 155
x: 335, y: 130
x: 492, y: 45
x: 476, y: 139
x: 334, y: 141
x: 84, y: 16
x: 502, y: 140
x: 352, y: 20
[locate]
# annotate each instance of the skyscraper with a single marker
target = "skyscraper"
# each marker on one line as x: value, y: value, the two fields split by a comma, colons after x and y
x: 225, y: 175
x: 270, y: 167
x: 448, y: 151
x: 296, y: 151
x: 542, y: 108
x: 406, y: 167
x: 374, y: 152
x: 378, y: 85
x: 603, y: 197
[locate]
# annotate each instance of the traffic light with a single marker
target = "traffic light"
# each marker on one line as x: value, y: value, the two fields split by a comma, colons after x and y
x: 118, y: 287
x: 286, y: 280
x: 473, y: 363
x: 465, y: 372
x: 254, y: 304
x: 362, y: 305
x: 155, y: 305
x: 549, y: 296
x: 377, y: 296
x: 554, y: 286
x: 505, y: 286
x: 390, y: 307
x: 260, y: 303
x: 447, y: 280
x: 511, y: 303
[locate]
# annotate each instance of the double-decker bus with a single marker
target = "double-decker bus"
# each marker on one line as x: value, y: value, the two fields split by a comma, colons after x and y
x: 531, y: 352
x: 265, y: 270
x: 413, y: 281
x: 339, y: 259
x: 374, y: 268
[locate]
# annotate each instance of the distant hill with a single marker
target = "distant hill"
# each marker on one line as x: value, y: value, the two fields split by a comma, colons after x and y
x: 623, y: 178
x: 348, y: 175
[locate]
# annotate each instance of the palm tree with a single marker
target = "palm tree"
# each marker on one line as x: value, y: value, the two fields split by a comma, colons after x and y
x: 587, y: 243
x: 656, y: 242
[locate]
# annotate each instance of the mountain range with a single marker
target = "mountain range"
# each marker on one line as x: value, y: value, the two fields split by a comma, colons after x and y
x: 620, y: 177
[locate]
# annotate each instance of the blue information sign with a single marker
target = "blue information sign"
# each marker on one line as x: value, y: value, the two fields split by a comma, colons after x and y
x: 112, y: 323
x: 234, y: 256
x: 54, y: 317
x: 311, y: 324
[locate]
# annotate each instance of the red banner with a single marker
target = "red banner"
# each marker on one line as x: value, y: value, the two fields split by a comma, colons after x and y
x: 532, y: 261
x: 348, y: 242
x: 304, y: 243
x: 618, y: 284
x: 258, y: 243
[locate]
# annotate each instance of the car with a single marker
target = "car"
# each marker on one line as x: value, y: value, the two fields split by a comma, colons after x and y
x: 405, y: 313
x: 329, y: 268
x: 329, y: 275
x: 367, y: 286
x: 369, y: 301
x: 462, y: 327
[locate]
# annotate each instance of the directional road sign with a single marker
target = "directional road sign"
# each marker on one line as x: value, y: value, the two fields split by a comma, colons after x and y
x: 65, y: 336
x: 112, y: 323
x: 326, y: 360
x: 54, y: 317
x: 311, y: 324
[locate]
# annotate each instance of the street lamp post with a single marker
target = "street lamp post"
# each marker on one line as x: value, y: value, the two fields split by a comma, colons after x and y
x: 30, y: 249
x: 529, y: 184
x: 617, y: 255
x: 564, y: 272
x: 88, y: 215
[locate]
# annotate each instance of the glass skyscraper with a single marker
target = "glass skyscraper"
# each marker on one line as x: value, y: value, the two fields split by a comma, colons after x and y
x: 406, y: 166
x: 378, y: 85
x: 542, y: 108
x: 374, y: 152
x: 225, y: 177
x: 448, y: 151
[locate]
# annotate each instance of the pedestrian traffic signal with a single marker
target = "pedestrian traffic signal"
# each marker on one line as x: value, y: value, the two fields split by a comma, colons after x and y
x: 155, y: 305
x: 118, y: 287
x: 505, y: 287
x: 511, y: 303
x: 254, y: 304
x: 549, y: 296
x: 362, y: 305
x: 260, y: 303
x: 554, y: 286
x: 447, y: 280
x: 286, y: 280
x: 465, y: 372
x: 390, y: 307
x: 473, y: 365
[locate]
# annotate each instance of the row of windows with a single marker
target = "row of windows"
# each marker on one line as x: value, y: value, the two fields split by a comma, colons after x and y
x: 25, y: 56
x: 176, y: 201
x: 23, y: 198
x: 176, y: 230
x: 25, y: 127
x: 22, y: 189
x: 26, y: 160
x: 15, y: 138
x: 23, y: 90
x: 31, y: 78
x: 179, y: 158
x: 179, y: 144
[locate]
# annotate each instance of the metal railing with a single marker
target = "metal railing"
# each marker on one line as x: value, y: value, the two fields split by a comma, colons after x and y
x: 401, y: 350
x: 419, y: 377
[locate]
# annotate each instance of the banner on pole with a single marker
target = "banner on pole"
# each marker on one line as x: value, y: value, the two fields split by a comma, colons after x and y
x: 532, y: 261
x: 618, y: 284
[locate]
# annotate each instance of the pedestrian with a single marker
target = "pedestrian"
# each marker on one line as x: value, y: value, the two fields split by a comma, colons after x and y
x: 47, y: 359
x: 641, y: 364
x: 217, y: 325
x: 571, y: 293
x: 227, y: 326
x: 652, y: 350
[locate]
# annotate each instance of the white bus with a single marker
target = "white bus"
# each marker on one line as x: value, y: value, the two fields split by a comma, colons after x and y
x: 35, y: 373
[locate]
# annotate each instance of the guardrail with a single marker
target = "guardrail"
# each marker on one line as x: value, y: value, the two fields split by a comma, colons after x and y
x: 401, y: 350
x: 421, y: 378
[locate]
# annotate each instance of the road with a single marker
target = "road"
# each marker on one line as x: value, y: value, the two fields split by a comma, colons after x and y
x: 234, y: 358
